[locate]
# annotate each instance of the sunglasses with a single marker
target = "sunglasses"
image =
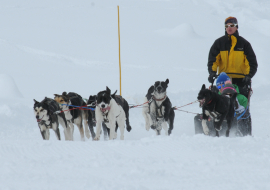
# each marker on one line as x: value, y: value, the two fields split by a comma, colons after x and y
x: 230, y: 25
x: 219, y: 87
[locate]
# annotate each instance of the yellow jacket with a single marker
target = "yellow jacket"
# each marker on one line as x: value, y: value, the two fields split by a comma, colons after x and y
x: 232, y: 54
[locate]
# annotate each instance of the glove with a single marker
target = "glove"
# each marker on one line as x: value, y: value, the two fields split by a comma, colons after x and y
x: 247, y: 79
x: 211, y: 76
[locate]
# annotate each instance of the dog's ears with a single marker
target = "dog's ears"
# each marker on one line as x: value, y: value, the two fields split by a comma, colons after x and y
x: 56, y: 95
x: 167, y: 81
x: 203, y: 87
x: 44, y: 100
x: 92, y: 98
x: 108, y: 90
x: 36, y: 102
x: 151, y: 89
x: 113, y: 95
x: 64, y: 94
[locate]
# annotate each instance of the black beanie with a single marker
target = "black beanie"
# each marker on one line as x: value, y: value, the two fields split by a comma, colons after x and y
x: 231, y: 20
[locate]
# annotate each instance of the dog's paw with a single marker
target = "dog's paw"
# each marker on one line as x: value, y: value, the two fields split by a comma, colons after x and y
x: 96, y: 138
x: 153, y: 127
x: 129, y: 128
x: 169, y: 131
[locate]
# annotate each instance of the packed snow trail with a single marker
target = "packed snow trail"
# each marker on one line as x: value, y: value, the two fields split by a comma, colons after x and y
x: 183, y: 162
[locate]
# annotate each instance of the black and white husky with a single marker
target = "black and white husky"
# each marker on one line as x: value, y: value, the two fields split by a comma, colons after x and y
x: 74, y: 116
x: 219, y: 107
x: 109, y: 112
x: 159, y: 111
x: 92, y: 118
x: 47, y: 119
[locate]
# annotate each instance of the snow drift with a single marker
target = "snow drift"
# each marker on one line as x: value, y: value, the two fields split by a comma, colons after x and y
x: 8, y: 87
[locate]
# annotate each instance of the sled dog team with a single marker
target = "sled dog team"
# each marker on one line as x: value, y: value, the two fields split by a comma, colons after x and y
x: 111, y: 111
x: 106, y: 110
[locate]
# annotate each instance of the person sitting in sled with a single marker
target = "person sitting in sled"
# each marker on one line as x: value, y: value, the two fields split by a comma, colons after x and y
x: 223, y: 81
x: 231, y: 53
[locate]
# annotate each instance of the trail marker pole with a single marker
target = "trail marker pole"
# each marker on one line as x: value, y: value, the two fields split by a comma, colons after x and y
x: 119, y: 50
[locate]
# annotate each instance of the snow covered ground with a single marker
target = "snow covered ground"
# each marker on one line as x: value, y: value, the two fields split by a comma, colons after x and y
x: 48, y: 47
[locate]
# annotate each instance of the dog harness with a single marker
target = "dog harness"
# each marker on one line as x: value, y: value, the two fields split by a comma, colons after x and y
x: 52, y: 119
x: 105, y: 112
x: 158, y: 108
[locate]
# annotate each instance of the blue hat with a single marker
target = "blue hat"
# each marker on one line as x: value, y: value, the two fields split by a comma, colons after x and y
x: 222, y: 78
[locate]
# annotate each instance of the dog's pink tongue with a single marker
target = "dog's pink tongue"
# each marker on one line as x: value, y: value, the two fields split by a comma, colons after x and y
x: 105, y: 109
x: 38, y: 120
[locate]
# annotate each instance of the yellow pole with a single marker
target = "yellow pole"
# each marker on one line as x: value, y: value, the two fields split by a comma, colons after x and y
x: 119, y: 50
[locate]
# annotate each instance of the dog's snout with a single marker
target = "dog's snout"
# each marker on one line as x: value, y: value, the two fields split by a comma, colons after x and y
x: 159, y: 88
x: 103, y: 106
x: 37, y: 116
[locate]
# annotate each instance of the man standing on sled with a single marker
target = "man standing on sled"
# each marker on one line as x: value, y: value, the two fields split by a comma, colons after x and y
x: 231, y: 53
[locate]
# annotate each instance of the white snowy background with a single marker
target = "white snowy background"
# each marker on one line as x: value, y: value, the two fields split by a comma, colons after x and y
x: 51, y: 46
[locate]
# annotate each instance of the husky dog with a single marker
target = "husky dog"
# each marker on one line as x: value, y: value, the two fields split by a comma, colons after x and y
x: 92, y: 118
x: 218, y: 107
x: 159, y: 109
x: 109, y: 112
x: 44, y: 112
x: 75, y: 116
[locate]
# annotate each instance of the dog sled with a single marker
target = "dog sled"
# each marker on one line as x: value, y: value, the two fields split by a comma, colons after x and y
x: 241, y: 125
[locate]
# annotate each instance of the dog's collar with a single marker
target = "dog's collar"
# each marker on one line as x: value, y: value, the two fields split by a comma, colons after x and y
x: 210, y: 101
x: 103, y: 110
x: 160, y: 99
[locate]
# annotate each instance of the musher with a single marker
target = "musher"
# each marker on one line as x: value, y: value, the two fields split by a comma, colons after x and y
x: 232, y: 53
